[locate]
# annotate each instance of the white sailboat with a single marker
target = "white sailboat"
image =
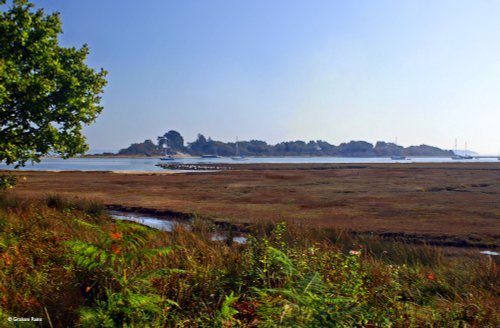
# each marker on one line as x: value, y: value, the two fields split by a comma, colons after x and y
x: 397, y: 157
x: 458, y: 156
x: 166, y: 156
x: 455, y: 152
x: 465, y: 153
x: 237, y: 157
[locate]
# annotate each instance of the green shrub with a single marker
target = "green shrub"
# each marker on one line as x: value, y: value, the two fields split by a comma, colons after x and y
x: 115, y: 278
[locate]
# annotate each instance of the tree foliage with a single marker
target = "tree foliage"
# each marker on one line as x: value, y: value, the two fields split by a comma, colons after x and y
x: 171, y: 140
x: 174, y: 142
x: 147, y: 148
x: 47, y: 92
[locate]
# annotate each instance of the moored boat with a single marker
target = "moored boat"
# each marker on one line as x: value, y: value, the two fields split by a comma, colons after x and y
x: 238, y: 157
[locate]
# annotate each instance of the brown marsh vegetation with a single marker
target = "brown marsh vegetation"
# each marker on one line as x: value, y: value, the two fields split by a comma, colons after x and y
x: 450, y: 204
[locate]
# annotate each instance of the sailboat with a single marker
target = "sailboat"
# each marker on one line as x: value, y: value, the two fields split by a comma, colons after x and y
x: 464, y: 156
x: 397, y: 157
x: 455, y: 152
x: 166, y: 157
x: 237, y: 157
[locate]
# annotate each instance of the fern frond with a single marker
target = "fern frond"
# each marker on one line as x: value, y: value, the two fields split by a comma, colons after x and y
x: 89, y: 225
x: 279, y: 257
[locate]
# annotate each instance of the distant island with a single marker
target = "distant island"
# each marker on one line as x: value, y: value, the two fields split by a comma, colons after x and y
x: 172, y: 143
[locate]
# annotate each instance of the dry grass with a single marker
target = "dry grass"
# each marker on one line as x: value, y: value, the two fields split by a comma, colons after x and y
x: 436, y: 200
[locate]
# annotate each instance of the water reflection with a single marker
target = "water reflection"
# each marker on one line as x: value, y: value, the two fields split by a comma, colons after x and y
x: 152, y: 222
x: 490, y: 253
x: 166, y: 224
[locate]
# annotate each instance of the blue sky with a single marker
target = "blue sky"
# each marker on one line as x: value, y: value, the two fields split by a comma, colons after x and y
x: 426, y: 72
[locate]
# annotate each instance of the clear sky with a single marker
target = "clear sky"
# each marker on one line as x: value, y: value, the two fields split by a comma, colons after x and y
x: 426, y: 72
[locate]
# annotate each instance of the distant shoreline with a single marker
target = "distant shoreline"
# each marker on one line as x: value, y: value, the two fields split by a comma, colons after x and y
x: 131, y: 156
x: 253, y: 156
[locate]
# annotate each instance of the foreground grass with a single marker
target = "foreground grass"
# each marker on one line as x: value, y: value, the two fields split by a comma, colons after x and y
x: 67, y: 262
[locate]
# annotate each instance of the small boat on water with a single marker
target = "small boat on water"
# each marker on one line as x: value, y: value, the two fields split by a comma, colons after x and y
x: 210, y: 156
x: 166, y: 156
x: 238, y: 157
x: 397, y: 157
x: 460, y: 157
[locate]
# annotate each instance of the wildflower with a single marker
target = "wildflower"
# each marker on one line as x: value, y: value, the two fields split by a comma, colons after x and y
x: 32, y: 301
x: 353, y: 252
x: 7, y: 259
x: 312, y: 250
x: 116, y: 235
x: 116, y: 249
x: 431, y: 276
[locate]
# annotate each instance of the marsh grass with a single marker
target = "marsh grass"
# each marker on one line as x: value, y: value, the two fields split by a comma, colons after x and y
x: 440, y: 203
x: 64, y: 259
x: 88, y: 206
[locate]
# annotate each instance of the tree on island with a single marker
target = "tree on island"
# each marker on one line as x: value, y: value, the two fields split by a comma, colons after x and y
x: 172, y: 140
x: 199, y: 146
x: 146, y: 148
x: 47, y: 92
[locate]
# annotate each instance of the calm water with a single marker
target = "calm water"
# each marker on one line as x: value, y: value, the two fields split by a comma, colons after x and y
x: 148, y: 164
x: 166, y: 224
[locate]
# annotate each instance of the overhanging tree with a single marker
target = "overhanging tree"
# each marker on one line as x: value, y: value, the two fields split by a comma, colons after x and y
x: 47, y: 92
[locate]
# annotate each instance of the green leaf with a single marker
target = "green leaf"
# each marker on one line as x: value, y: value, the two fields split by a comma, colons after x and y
x: 47, y: 92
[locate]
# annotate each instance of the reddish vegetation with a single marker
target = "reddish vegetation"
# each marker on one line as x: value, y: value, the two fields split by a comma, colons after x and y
x: 447, y: 201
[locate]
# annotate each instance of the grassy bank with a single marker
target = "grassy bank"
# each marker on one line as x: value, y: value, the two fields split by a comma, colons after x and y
x: 65, y: 261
